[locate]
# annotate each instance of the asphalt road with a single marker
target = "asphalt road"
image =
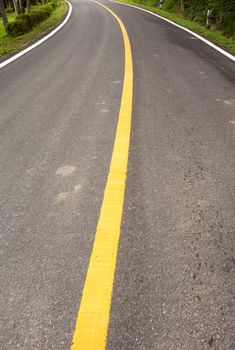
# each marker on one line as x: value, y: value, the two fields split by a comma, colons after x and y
x: 175, y: 279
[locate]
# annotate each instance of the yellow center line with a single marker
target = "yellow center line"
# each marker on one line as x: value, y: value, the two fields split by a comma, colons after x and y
x: 93, y: 316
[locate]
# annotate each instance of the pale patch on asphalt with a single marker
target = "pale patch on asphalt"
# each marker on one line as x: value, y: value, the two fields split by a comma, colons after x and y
x: 105, y: 110
x: 156, y: 56
x: 77, y: 188
x: 193, y: 38
x: 62, y: 196
x: 230, y: 103
x: 117, y: 81
x: 65, y: 170
x: 202, y: 72
x: 100, y: 103
x: 232, y: 122
x: 202, y: 203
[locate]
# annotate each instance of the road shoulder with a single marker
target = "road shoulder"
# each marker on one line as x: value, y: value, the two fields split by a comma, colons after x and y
x: 11, y: 46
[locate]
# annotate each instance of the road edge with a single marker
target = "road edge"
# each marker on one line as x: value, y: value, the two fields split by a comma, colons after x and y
x: 206, y: 41
x: 40, y: 41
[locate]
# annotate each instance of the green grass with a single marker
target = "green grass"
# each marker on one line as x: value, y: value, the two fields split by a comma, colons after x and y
x: 213, y: 35
x: 11, y: 18
x: 9, y: 45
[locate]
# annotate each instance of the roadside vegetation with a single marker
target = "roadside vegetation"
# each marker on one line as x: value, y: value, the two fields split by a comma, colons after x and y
x: 213, y: 19
x: 26, y: 20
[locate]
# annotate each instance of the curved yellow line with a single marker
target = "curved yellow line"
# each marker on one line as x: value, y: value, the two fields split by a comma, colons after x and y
x: 93, y: 316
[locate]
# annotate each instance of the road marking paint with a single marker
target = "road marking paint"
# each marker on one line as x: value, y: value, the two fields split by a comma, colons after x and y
x: 209, y: 43
x: 93, y: 315
x: 39, y: 42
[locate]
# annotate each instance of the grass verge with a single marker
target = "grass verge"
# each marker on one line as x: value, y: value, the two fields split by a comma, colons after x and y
x: 213, y: 35
x: 9, y: 45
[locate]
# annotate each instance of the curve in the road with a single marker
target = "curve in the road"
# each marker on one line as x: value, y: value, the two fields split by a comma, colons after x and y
x: 93, y: 316
x: 174, y: 276
x: 225, y: 53
x: 39, y: 42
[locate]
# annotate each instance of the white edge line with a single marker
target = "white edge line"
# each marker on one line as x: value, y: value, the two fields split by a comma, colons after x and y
x: 225, y: 53
x: 39, y: 42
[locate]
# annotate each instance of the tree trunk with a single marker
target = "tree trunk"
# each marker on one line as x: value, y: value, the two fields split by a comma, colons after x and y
x: 4, y: 15
x: 28, y: 5
x: 16, y: 6
x: 21, y: 6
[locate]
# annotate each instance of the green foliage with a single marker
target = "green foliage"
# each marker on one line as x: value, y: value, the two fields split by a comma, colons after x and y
x: 172, y: 5
x: 9, y: 45
x: 10, y: 10
x: 227, y: 17
x: 145, y: 2
x: 25, y: 22
x: 18, y: 27
x: 223, y: 12
x: 214, y: 35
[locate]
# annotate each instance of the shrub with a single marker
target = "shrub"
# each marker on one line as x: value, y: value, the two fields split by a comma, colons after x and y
x: 172, y: 5
x: 25, y: 22
x: 228, y: 27
x: 17, y: 28
x: 10, y: 10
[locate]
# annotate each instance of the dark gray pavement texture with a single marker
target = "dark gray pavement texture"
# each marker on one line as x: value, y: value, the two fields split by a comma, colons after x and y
x: 59, y: 106
x: 175, y: 279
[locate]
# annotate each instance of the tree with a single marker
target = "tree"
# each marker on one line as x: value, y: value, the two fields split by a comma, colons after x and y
x: 3, y: 14
x: 28, y: 5
x: 17, y: 7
